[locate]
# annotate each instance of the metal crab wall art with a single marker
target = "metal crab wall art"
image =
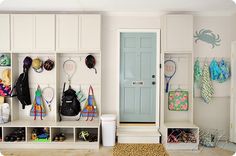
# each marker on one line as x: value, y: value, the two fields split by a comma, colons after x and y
x: 207, y: 36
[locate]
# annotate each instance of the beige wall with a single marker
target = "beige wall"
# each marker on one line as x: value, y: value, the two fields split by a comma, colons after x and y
x: 110, y: 25
x: 215, y: 115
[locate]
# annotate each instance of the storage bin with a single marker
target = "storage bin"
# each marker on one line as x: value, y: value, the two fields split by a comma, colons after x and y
x: 108, y: 129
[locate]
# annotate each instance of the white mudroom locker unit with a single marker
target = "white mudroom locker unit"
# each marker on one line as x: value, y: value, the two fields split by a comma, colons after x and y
x: 58, y: 37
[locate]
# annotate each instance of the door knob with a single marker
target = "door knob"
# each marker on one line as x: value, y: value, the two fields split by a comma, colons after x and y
x: 153, y: 83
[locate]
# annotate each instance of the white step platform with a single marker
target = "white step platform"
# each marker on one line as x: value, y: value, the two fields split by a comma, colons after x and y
x: 138, y: 134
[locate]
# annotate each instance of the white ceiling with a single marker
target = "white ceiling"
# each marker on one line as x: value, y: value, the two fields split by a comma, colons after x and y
x: 128, y: 6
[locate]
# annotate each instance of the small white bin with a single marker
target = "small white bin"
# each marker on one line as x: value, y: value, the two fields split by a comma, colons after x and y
x: 108, y: 129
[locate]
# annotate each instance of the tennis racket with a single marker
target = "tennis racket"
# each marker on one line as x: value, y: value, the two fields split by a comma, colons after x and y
x: 48, y: 96
x: 69, y: 67
x: 170, y: 70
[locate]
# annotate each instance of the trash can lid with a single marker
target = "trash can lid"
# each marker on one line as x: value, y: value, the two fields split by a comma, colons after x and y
x: 108, y: 117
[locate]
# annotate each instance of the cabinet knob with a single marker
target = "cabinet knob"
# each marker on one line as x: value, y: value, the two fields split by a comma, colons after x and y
x: 153, y: 83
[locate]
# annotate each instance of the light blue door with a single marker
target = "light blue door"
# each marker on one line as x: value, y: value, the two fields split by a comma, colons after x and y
x: 138, y: 77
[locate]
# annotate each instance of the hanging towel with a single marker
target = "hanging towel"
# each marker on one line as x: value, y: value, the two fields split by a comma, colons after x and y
x: 225, y: 71
x: 214, y: 69
x: 197, y: 72
x: 207, y: 89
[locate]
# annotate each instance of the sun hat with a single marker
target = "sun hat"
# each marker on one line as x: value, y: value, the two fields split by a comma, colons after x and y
x: 37, y: 65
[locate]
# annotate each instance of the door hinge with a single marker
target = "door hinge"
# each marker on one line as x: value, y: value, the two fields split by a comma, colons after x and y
x: 160, y: 65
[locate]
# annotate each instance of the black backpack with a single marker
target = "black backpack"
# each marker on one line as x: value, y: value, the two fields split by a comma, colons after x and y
x: 22, y: 89
x: 70, y: 104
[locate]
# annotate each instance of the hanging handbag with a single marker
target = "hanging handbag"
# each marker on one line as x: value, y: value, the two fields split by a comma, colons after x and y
x: 178, y: 100
x: 90, y: 109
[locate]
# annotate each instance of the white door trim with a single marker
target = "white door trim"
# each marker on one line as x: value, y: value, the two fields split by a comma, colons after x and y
x: 158, y: 61
x: 232, y: 102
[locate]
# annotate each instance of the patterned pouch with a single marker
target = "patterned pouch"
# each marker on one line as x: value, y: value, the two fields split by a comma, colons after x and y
x: 178, y: 100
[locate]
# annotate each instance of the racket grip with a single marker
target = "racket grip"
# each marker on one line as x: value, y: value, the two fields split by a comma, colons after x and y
x: 167, y: 87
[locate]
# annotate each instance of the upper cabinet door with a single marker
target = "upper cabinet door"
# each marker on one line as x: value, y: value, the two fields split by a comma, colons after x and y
x: 5, y: 32
x: 90, y: 33
x: 22, y: 36
x: 44, y: 32
x: 178, y: 33
x: 67, y: 33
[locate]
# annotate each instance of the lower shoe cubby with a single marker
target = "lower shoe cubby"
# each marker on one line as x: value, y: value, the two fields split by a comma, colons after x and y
x: 38, y: 134
x: 62, y: 134
x: 86, y: 134
x: 182, y: 135
x: 14, y: 134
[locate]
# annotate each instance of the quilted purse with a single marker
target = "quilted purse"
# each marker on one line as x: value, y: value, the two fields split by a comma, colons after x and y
x: 178, y: 100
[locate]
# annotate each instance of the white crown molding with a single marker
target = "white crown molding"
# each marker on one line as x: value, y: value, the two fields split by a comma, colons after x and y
x: 149, y: 14
x: 214, y: 13
x: 133, y: 14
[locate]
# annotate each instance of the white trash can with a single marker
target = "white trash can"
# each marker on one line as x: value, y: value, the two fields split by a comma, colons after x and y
x: 108, y: 129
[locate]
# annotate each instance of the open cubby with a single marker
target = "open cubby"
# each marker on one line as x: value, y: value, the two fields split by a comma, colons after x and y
x: 82, y: 79
x: 182, y: 121
x: 1, y: 134
x: 191, y: 135
x: 182, y: 80
x: 62, y: 134
x: 93, y: 134
x: 182, y: 135
x: 38, y: 134
x: 3, y: 67
x: 14, y: 134
x: 43, y: 79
